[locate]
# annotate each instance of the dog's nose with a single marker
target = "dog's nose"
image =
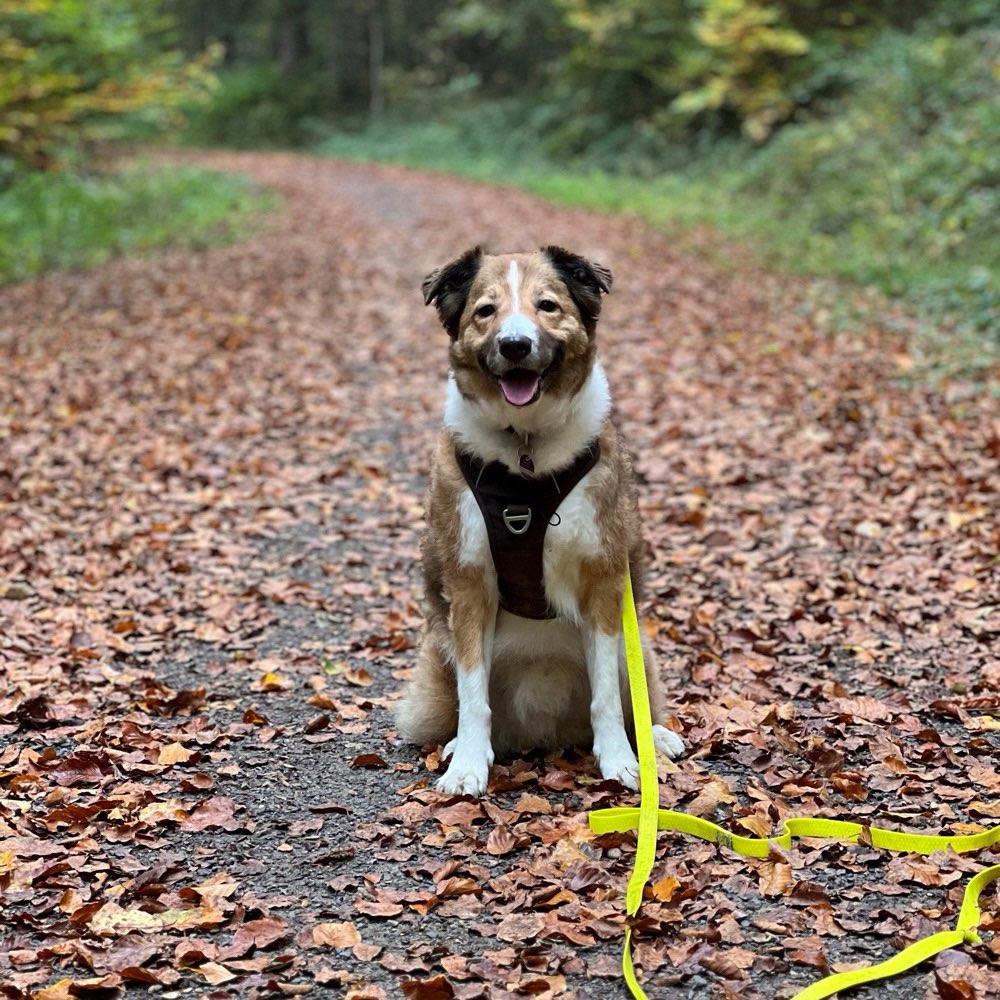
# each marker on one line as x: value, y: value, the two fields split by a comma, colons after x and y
x: 515, y: 347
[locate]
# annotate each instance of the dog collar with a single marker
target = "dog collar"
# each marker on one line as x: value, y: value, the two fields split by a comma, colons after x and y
x: 517, y: 510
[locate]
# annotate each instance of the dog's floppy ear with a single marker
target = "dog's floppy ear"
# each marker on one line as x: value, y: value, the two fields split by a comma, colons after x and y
x: 448, y: 287
x: 584, y: 280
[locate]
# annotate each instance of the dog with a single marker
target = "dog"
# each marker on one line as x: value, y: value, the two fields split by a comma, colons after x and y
x: 531, y: 519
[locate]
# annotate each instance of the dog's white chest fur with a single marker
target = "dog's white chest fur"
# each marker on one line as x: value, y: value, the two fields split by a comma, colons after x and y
x: 575, y: 537
x: 556, y: 430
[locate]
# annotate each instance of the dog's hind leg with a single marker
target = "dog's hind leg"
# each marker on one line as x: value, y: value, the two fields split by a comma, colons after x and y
x: 428, y: 710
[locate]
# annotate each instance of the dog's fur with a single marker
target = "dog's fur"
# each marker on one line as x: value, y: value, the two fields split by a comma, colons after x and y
x: 486, y: 679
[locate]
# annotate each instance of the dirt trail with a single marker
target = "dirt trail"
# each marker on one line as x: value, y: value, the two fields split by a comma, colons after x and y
x: 211, y: 472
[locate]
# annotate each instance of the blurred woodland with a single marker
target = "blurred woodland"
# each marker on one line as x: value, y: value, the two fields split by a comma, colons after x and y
x: 858, y: 139
x: 588, y: 69
x: 678, y: 67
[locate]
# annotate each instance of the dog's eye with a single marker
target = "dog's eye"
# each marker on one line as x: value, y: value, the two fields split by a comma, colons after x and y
x: 485, y: 311
x: 547, y: 306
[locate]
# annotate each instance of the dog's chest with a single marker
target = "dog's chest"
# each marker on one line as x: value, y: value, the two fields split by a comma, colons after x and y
x: 572, y: 536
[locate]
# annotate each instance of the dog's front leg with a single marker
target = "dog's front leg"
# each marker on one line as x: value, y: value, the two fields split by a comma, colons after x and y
x: 473, y: 624
x: 614, y: 754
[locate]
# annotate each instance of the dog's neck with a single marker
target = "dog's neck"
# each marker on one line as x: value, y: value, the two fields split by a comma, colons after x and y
x: 551, y: 432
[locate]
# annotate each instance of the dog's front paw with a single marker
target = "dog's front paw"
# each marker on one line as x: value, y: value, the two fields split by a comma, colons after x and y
x: 468, y: 772
x: 667, y: 742
x: 462, y: 779
x: 619, y: 764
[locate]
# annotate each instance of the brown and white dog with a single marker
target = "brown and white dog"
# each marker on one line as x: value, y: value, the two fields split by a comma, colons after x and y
x: 507, y: 663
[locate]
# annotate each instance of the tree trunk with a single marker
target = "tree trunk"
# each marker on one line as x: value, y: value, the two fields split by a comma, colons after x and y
x: 376, y: 60
x: 292, y: 38
x: 350, y: 53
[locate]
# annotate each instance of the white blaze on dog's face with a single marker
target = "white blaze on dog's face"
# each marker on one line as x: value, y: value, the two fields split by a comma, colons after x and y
x: 521, y: 325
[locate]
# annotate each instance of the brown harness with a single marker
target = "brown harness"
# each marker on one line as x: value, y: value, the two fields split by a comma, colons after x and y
x: 517, y: 511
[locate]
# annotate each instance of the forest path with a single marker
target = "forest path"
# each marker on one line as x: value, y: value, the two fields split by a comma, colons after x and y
x: 210, y: 505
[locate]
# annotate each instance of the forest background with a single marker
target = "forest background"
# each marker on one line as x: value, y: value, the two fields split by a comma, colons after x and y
x: 858, y: 141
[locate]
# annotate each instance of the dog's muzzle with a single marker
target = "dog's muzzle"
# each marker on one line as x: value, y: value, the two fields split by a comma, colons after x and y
x: 519, y: 366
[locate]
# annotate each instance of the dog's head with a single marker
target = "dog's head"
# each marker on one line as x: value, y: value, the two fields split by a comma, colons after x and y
x: 521, y: 325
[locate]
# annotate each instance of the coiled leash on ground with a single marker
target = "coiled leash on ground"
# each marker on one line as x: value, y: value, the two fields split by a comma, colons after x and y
x: 649, y: 818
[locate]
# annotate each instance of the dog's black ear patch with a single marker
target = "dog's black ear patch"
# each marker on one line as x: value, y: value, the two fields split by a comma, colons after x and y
x: 585, y: 281
x: 448, y: 287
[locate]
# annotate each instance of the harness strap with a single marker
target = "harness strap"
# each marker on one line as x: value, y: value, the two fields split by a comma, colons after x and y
x: 517, y: 510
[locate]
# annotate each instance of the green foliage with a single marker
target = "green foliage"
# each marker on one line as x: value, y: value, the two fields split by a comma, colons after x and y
x: 61, y: 220
x: 901, y: 185
x: 741, y: 64
x: 505, y: 48
x: 67, y: 67
x: 487, y: 139
x: 257, y: 107
x: 678, y: 63
x: 687, y: 69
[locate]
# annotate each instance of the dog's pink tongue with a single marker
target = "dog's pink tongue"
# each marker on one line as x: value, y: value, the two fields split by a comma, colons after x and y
x: 519, y: 387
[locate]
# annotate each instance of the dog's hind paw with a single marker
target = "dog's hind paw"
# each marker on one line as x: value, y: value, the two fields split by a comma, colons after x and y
x: 667, y: 742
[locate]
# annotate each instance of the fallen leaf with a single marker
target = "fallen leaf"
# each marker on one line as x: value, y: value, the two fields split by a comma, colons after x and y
x: 175, y: 753
x: 342, y: 935
x: 520, y: 927
x: 368, y: 760
x: 437, y: 988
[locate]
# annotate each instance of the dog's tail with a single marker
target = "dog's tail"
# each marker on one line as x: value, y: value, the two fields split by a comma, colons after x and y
x: 428, y: 710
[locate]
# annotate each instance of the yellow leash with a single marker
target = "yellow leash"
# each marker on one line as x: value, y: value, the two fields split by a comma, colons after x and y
x: 649, y: 818
x: 649, y: 794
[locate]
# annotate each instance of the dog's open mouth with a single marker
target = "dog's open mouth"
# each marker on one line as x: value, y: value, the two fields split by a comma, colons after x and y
x: 520, y: 386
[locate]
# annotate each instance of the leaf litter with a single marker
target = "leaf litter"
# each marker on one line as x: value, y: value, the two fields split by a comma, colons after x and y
x: 210, y: 506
